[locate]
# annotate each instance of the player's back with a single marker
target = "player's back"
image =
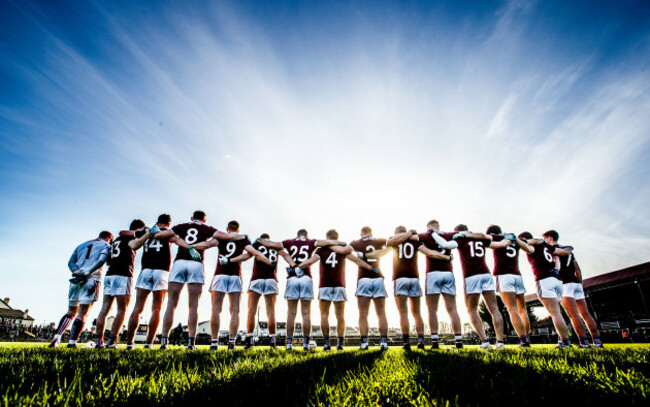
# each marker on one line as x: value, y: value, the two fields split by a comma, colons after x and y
x: 542, y: 262
x: 405, y: 259
x: 192, y: 232
x: 156, y: 254
x: 368, y: 245
x: 87, y: 254
x: 568, y: 268
x: 472, y: 256
x: 231, y: 249
x: 332, y: 268
x: 430, y: 243
x: 121, y: 258
x: 506, y: 259
x: 300, y: 249
x: 262, y: 270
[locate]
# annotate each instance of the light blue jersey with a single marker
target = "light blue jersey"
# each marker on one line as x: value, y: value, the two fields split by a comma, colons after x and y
x: 90, y: 257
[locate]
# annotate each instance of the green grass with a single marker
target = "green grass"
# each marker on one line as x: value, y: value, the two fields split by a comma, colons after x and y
x: 34, y: 375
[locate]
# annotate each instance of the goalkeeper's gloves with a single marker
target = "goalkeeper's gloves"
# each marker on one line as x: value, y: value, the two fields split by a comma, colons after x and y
x: 223, y: 260
x: 196, y: 255
x: 154, y: 229
x: 510, y: 236
x: 290, y: 269
x: 555, y: 272
x: 458, y: 236
x: 78, y: 278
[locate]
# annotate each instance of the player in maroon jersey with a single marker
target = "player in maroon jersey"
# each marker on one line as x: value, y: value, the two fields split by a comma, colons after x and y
x: 332, y: 284
x: 406, y: 279
x: 440, y: 281
x: 370, y: 287
x: 299, y: 285
x: 478, y: 282
x: 264, y: 281
x: 119, y: 280
x: 509, y: 283
x: 153, y: 278
x: 573, y: 295
x: 547, y: 281
x: 187, y: 270
x: 227, y: 281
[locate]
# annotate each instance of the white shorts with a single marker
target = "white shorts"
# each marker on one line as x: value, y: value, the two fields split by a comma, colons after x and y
x: 86, y: 293
x: 479, y: 283
x: 187, y: 271
x: 264, y: 286
x: 226, y: 284
x: 550, y: 287
x: 334, y: 294
x: 118, y: 285
x: 371, y: 287
x: 407, y: 286
x: 153, y: 280
x: 440, y: 282
x: 573, y: 290
x: 510, y: 283
x: 299, y: 288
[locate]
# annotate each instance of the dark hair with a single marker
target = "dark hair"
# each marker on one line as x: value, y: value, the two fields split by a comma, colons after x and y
x: 493, y: 230
x: 105, y: 234
x: 525, y: 236
x: 199, y: 215
x: 302, y: 232
x: 461, y: 228
x: 552, y: 234
x: 265, y: 236
x: 366, y: 230
x: 136, y: 224
x: 164, y: 219
x: 233, y: 225
x: 332, y: 234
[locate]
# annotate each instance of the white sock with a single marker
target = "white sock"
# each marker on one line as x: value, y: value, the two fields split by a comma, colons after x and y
x: 57, y: 337
x: 434, y: 337
x: 458, y: 337
x: 73, y: 342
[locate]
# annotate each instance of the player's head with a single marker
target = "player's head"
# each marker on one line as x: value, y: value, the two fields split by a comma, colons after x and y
x: 332, y: 234
x: 106, y: 236
x: 136, y: 224
x: 265, y: 236
x: 164, y: 219
x: 494, y: 230
x: 433, y: 225
x: 525, y: 236
x: 233, y: 226
x: 366, y: 231
x: 400, y: 229
x: 199, y: 216
x: 461, y: 228
x: 302, y: 233
x: 551, y: 237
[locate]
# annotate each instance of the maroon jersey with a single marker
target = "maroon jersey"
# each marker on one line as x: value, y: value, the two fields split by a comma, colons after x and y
x: 121, y: 257
x: 542, y: 262
x: 472, y: 256
x: 263, y: 271
x: 368, y: 245
x: 405, y: 259
x: 332, y: 268
x: 300, y: 250
x: 157, y: 254
x: 568, y: 268
x: 429, y: 243
x: 506, y: 259
x: 192, y: 233
x: 231, y: 250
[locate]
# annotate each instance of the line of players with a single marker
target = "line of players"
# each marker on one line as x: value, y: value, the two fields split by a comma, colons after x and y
x: 557, y: 275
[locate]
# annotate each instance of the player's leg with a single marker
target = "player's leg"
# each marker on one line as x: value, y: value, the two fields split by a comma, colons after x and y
x: 552, y: 305
x: 324, y: 306
x: 364, y: 306
x: 78, y: 324
x: 523, y: 312
x: 174, y: 290
x: 253, y: 301
x: 156, y: 306
x: 380, y: 308
x: 305, y: 310
x: 194, y: 291
x: 141, y: 296
x: 65, y: 321
x: 471, y: 301
x: 122, y: 304
x: 419, y: 321
x: 452, y: 310
x: 107, y: 304
x: 569, y: 305
x: 215, y: 317
x: 510, y: 301
x: 269, y: 300
x: 233, y: 302
x: 292, y: 310
x: 432, y: 306
x: 490, y: 298
x: 339, y: 311
x: 402, y: 308
x: 583, y: 309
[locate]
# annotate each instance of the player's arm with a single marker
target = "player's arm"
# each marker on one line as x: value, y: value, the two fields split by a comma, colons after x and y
x: 434, y: 254
x: 137, y: 243
x: 354, y: 259
x: 474, y: 235
x: 500, y: 245
x: 100, y: 262
x: 72, y: 263
x: 270, y: 244
x: 376, y: 254
x: 525, y: 246
x: 442, y: 242
x: 165, y: 234
x: 241, y: 258
x: 206, y: 245
x: 342, y: 250
x: 327, y: 243
x: 578, y: 271
x: 558, y: 263
x: 287, y: 258
x: 535, y: 242
x: 400, y: 238
x: 258, y: 254
x: 313, y: 259
x: 229, y: 236
x: 127, y: 233
x: 179, y: 242
x: 562, y: 252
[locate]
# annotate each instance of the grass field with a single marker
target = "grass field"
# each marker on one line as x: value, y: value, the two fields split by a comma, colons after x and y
x: 35, y: 375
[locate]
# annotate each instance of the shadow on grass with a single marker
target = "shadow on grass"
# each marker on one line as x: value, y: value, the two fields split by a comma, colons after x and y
x: 475, y: 381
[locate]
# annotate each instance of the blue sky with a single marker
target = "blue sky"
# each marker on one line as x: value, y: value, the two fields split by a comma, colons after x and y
x: 531, y: 115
